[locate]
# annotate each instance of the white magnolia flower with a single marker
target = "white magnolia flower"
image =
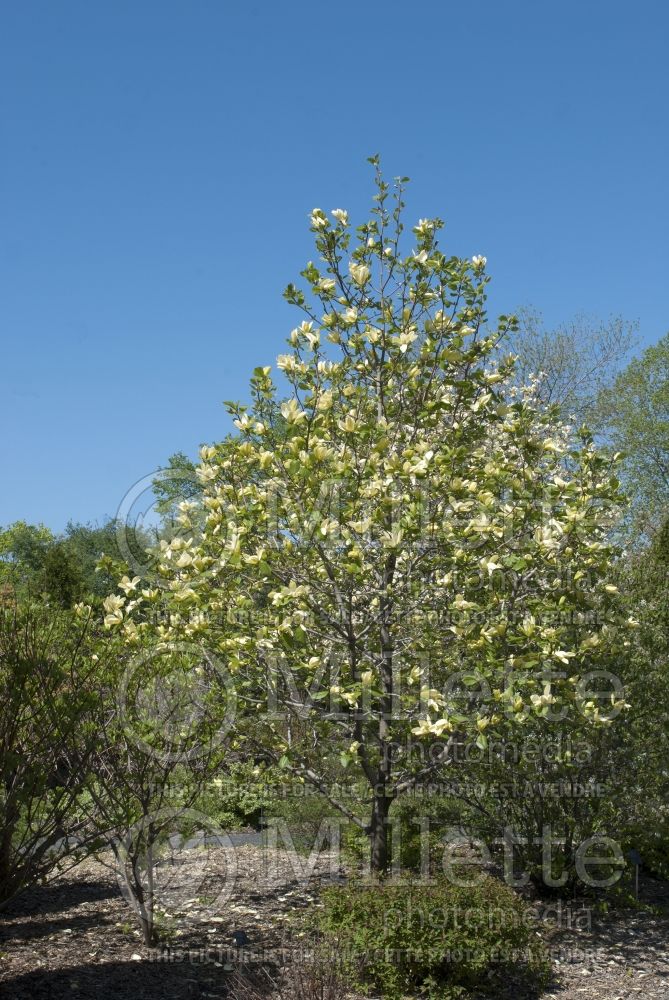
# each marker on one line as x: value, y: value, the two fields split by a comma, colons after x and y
x: 291, y: 412
x: 461, y: 604
x: 341, y: 215
x: 481, y: 401
x: 441, y: 726
x: 359, y: 272
x: 563, y: 656
x: 424, y: 728
x: 319, y: 219
x: 431, y: 697
x: 325, y: 400
x: 113, y: 603
x: 326, y: 285
x: 490, y: 565
x: 205, y: 473
x: 127, y: 585
x: 392, y: 539
x: 405, y: 339
x: 424, y: 227
x: 286, y: 362
x: 348, y: 424
x: 479, y: 261
x: 542, y: 700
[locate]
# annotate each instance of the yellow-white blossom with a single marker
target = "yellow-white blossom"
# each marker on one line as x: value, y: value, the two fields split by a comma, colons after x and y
x: 292, y: 412
x: 359, y: 273
x: 113, y: 605
x: 423, y: 227
x: 563, y: 655
x: 319, y: 219
x: 348, y: 424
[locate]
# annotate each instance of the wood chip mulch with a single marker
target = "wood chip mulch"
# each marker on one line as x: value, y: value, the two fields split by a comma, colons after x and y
x: 77, y: 937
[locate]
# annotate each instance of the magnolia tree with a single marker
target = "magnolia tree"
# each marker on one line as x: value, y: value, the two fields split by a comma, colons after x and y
x: 400, y: 525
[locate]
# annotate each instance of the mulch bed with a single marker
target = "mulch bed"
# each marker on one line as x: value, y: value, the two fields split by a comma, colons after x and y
x: 77, y: 937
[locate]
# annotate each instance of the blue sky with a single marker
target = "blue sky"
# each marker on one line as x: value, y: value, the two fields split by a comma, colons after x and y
x: 159, y: 160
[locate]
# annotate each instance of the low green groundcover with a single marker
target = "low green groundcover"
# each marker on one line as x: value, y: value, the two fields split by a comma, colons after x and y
x: 432, y: 939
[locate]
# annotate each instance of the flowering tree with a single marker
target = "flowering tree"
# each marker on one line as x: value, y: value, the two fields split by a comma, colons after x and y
x: 402, y: 524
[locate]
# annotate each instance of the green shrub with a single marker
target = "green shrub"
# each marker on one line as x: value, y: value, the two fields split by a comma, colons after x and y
x: 432, y: 939
x: 407, y: 814
x: 235, y: 798
x: 651, y: 840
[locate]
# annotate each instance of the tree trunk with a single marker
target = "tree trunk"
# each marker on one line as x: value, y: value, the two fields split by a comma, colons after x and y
x: 378, y: 833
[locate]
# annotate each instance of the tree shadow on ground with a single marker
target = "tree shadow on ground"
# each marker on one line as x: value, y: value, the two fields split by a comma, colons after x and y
x: 57, y: 897
x: 30, y: 930
x: 118, y: 981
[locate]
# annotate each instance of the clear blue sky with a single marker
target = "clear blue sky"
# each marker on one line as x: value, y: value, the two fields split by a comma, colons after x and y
x: 159, y: 159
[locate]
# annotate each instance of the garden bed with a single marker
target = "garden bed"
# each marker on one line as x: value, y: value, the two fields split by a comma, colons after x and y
x: 77, y: 938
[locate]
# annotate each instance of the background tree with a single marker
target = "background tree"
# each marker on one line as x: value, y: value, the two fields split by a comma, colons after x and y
x: 633, y: 413
x: 176, y: 484
x: 642, y: 749
x: 23, y: 548
x: 62, y: 568
x: 579, y: 359
x: 87, y: 544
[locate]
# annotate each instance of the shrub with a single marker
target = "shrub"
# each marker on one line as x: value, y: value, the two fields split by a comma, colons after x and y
x: 407, y: 814
x: 48, y: 670
x: 433, y: 939
x: 235, y: 797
